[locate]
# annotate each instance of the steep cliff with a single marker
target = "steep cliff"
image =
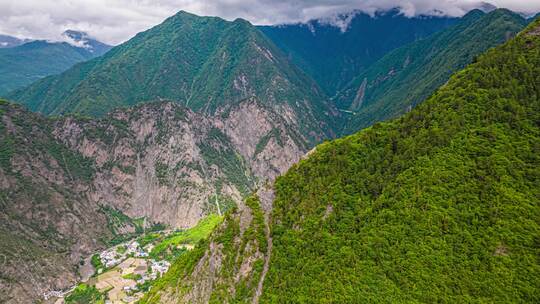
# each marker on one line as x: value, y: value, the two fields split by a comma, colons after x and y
x: 171, y: 165
x: 47, y: 223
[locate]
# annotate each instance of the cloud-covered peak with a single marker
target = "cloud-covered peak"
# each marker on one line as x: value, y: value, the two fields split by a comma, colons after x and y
x: 76, y: 38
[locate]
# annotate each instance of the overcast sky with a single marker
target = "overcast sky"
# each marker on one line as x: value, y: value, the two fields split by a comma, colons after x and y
x: 114, y: 21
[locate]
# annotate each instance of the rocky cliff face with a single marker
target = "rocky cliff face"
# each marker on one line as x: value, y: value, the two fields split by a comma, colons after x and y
x: 63, y: 180
x: 173, y: 166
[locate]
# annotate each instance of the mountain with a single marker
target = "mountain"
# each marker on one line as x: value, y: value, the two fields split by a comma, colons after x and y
x: 205, y: 63
x: 72, y: 185
x: 9, y: 41
x: 333, y: 54
x: 408, y: 75
x: 26, y: 63
x: 440, y: 205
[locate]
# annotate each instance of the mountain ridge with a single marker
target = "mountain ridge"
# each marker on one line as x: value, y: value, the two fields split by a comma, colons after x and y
x: 7, y: 41
x: 406, y: 76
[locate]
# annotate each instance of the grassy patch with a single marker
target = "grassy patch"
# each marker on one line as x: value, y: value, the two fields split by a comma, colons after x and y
x: 190, y: 236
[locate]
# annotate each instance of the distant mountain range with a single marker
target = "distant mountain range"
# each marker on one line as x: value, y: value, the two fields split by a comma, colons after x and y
x: 204, y: 63
x: 334, y: 55
x: 23, y: 61
x: 83, y: 40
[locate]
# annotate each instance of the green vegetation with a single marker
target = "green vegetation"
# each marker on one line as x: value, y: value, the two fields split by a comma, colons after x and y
x: 265, y: 139
x: 439, y: 206
x: 217, y: 150
x: 237, y: 250
x: 121, y: 249
x: 96, y: 262
x: 85, y: 294
x: 408, y: 75
x: 181, y: 268
x: 167, y: 247
x: 35, y: 132
x: 132, y: 276
x: 256, y: 229
x: 7, y: 150
x: 162, y: 173
x: 225, y: 202
x: 144, y: 287
x: 148, y: 238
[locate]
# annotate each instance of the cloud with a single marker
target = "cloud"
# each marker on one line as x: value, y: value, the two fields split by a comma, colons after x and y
x: 114, y: 21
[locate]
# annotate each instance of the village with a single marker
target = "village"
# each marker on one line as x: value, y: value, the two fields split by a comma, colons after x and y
x: 122, y: 273
x: 128, y: 268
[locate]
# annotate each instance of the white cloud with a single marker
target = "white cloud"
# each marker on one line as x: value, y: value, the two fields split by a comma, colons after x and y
x: 114, y: 21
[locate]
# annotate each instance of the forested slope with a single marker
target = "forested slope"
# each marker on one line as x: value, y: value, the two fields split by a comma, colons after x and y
x: 333, y: 55
x: 439, y: 206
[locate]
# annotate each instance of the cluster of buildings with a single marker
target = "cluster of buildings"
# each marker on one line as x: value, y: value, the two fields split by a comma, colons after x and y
x: 114, y: 256
x: 128, y: 266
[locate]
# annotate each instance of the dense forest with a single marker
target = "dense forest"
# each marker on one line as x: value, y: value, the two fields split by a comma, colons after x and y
x: 439, y: 206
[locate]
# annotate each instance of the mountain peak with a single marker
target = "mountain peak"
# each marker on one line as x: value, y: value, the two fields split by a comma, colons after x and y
x: 487, y: 7
x: 474, y: 14
x: 507, y: 15
x: 183, y: 14
x: 77, y: 38
x: 241, y: 20
x: 205, y: 63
